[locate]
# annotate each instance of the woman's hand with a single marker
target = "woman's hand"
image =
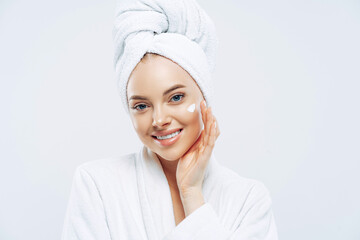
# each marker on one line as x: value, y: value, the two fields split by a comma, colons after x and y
x: 191, y: 167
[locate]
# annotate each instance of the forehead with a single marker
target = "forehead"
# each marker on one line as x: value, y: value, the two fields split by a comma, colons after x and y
x: 156, y: 74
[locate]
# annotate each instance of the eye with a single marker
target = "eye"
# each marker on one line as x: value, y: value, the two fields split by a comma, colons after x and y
x: 178, y: 97
x: 139, y: 107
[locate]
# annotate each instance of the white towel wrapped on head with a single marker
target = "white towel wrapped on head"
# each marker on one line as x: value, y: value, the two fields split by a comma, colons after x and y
x: 176, y: 29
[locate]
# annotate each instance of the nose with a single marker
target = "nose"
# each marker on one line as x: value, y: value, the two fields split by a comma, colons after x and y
x: 160, y: 118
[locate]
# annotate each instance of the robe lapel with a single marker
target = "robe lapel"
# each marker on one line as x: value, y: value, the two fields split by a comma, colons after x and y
x: 155, y: 195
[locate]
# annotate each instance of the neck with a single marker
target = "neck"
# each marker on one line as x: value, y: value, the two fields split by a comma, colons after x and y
x: 169, y: 168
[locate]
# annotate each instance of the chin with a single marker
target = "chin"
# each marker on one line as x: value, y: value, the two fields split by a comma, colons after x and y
x: 170, y: 154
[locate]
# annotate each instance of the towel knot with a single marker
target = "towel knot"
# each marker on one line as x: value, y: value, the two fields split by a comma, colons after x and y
x: 176, y: 29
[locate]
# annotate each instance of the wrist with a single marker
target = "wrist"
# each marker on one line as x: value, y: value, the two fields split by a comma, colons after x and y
x: 191, y: 199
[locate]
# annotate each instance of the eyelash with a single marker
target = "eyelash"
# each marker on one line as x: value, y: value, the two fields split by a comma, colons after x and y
x: 182, y: 96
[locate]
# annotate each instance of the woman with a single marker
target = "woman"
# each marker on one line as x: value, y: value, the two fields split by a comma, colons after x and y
x: 173, y: 188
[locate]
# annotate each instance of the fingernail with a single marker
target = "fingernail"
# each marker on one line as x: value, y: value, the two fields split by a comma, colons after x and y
x: 205, y: 103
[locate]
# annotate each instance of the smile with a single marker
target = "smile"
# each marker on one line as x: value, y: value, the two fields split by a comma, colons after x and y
x: 168, y: 139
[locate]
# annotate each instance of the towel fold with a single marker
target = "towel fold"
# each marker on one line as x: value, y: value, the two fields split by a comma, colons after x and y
x: 176, y: 29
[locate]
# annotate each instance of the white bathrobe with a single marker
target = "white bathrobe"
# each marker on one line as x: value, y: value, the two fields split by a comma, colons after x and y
x: 128, y: 198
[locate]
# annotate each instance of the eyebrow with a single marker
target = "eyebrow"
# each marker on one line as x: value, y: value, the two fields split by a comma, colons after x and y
x: 165, y: 93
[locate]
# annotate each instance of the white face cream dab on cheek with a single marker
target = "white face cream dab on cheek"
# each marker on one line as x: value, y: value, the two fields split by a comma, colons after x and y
x: 191, y: 108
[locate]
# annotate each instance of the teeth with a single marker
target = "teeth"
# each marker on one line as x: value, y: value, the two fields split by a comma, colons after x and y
x: 168, y: 136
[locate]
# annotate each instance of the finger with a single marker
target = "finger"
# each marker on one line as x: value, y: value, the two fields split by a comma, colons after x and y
x: 203, y: 115
x: 209, y: 121
x: 208, y: 127
x: 201, y: 142
x: 209, y: 147
x: 203, y: 135
x: 203, y: 111
x: 212, y: 135
x: 217, y: 127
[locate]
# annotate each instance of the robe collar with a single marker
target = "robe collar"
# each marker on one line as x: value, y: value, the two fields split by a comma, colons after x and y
x: 155, y: 196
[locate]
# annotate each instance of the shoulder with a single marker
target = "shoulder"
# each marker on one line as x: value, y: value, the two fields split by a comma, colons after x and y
x: 108, y: 167
x: 242, y: 188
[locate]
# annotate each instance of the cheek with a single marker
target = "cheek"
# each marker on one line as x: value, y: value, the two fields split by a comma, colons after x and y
x: 191, y: 108
x: 139, y: 125
x: 190, y: 115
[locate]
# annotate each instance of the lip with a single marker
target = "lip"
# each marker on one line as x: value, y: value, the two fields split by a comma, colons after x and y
x: 167, y: 132
x: 170, y: 141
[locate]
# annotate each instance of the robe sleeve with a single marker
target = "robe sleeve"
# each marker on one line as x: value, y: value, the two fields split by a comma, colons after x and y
x: 258, y: 222
x: 85, y: 217
x: 203, y: 224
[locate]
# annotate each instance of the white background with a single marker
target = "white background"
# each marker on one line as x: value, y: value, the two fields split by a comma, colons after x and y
x: 287, y: 102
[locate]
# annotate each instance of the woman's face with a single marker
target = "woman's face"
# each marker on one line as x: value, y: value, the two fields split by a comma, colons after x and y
x: 155, y: 105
